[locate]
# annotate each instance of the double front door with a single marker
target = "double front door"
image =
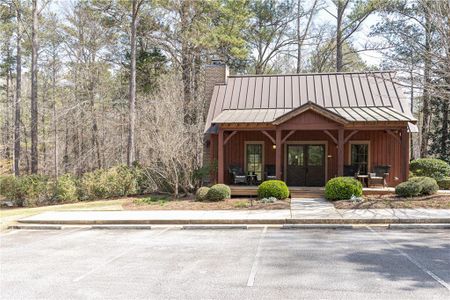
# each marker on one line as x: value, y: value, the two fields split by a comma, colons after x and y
x: 305, y: 165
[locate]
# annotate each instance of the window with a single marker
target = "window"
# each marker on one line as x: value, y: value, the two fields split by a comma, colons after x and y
x: 254, y: 159
x: 359, y: 156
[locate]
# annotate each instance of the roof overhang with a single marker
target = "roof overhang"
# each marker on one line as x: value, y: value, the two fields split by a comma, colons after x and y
x: 309, y: 106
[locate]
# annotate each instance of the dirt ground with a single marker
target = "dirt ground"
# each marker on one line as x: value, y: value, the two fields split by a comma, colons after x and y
x: 392, y: 201
x: 161, y: 203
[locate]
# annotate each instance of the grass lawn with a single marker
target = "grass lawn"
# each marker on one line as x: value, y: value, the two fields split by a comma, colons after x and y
x: 9, y: 215
x: 392, y: 201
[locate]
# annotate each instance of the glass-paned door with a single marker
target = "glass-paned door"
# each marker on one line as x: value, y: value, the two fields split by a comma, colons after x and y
x: 305, y: 165
x: 254, y: 159
x: 360, y: 157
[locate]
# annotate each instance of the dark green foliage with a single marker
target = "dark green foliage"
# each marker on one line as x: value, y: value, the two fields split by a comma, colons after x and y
x: 201, y: 193
x: 29, y: 190
x: 408, y: 189
x: 273, y: 188
x: 342, y: 188
x: 107, y: 183
x: 430, y: 167
x: 9, y: 187
x: 66, y: 189
x: 218, y: 192
x: 428, y: 185
x: 444, y: 183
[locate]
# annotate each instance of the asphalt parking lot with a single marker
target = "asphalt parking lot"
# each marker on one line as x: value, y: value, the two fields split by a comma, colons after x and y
x: 225, y: 264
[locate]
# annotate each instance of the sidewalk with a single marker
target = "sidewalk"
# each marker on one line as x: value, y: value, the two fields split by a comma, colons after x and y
x: 303, y: 211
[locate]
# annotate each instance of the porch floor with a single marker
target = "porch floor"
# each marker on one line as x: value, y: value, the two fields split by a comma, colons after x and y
x: 303, y: 191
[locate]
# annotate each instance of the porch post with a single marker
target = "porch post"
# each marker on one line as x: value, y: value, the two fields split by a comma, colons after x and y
x: 278, y: 154
x: 340, y: 152
x: 220, y: 162
x: 405, y: 154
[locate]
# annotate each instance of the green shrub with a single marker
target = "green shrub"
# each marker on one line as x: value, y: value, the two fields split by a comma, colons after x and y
x: 273, y: 188
x: 444, y: 183
x: 430, y: 167
x: 218, y: 192
x: 428, y: 186
x: 408, y: 189
x: 106, y: 183
x: 342, y: 188
x: 9, y: 187
x: 201, y: 193
x: 33, y: 190
x: 65, y: 189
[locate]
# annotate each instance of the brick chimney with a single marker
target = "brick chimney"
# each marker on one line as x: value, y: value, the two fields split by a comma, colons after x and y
x: 215, y: 73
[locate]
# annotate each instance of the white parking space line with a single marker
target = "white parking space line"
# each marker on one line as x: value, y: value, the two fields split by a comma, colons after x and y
x: 98, y: 267
x: 251, y: 278
x: 412, y: 260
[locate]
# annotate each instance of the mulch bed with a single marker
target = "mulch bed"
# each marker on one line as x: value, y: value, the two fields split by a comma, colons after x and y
x: 392, y: 201
x: 191, y: 204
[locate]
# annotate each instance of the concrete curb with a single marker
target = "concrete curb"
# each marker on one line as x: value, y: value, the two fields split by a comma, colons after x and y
x: 419, y: 226
x: 240, y: 221
x: 36, y: 227
x: 207, y: 227
x: 120, y: 227
x: 320, y: 226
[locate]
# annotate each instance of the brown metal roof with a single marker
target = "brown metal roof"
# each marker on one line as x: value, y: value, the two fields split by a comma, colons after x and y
x: 356, y: 97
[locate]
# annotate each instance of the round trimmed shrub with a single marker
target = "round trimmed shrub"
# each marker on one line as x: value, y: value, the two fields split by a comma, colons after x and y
x: 428, y: 185
x: 430, y: 167
x: 218, y: 192
x: 273, y: 188
x: 201, y: 193
x: 408, y: 189
x: 444, y: 183
x: 342, y: 188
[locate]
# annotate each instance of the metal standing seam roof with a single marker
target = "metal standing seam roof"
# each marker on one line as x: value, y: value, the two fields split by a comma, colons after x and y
x: 357, y: 97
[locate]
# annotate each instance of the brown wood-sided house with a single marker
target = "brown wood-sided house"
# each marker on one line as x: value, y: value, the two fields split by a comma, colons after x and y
x: 307, y: 127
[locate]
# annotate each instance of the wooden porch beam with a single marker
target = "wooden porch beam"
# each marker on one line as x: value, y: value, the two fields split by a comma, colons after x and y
x: 269, y: 136
x: 220, y: 157
x: 350, y: 135
x: 287, y: 136
x: 331, y: 136
x: 229, y: 137
x: 278, y: 152
x: 396, y: 137
x: 341, y: 143
x: 405, y: 154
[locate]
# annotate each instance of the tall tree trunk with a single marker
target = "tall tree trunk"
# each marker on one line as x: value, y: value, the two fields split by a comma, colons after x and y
x: 6, y: 131
x: 34, y: 106
x: 299, y: 43
x: 55, y: 128
x: 132, y: 96
x: 339, y: 55
x: 18, y: 95
x: 186, y: 59
x: 426, y: 110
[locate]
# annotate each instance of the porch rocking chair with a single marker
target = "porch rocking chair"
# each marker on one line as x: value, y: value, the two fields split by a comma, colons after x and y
x: 269, y: 173
x: 379, y: 175
x: 237, y: 175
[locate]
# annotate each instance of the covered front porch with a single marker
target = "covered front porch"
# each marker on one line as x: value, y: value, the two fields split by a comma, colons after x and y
x: 307, y: 156
x: 304, y: 192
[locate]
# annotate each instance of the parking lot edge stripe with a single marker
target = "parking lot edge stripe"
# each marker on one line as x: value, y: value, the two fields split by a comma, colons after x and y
x: 412, y: 260
x: 251, y: 278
